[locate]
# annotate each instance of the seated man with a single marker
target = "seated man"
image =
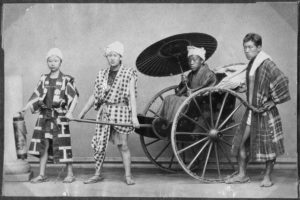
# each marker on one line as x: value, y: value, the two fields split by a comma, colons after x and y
x: 199, y: 77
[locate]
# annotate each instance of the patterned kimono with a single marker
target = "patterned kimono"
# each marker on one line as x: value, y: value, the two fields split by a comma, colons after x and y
x: 266, y: 136
x: 113, y: 105
x: 50, y: 123
x: 202, y: 78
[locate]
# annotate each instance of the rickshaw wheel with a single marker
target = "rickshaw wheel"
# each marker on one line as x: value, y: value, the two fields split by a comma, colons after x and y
x: 207, y: 121
x: 158, y: 149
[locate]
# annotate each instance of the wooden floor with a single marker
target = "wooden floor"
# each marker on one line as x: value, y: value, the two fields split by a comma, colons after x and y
x: 152, y: 182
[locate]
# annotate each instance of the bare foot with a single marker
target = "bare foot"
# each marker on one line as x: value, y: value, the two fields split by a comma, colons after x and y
x: 129, y: 180
x: 266, y: 182
x: 238, y: 178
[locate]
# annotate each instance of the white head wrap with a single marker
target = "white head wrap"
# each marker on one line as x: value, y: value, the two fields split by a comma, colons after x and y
x: 54, y: 52
x: 192, y: 50
x: 116, y: 46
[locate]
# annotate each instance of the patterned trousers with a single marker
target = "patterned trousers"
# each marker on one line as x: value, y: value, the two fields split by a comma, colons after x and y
x: 100, y: 144
x: 103, y: 132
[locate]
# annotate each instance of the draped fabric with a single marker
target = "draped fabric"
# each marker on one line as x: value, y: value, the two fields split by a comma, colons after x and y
x: 202, y: 78
x: 113, y: 105
x: 50, y: 123
x: 266, y: 135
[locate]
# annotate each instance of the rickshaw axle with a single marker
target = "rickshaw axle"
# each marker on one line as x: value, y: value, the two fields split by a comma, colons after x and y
x: 213, y: 134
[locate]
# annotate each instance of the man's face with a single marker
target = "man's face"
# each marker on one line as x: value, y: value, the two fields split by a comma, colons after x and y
x: 251, y: 50
x: 114, y: 59
x: 195, y: 62
x: 54, y: 63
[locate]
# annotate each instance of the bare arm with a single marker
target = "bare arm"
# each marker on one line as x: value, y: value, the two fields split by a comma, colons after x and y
x: 133, y: 104
x: 72, y: 107
x: 87, y: 107
x: 22, y: 112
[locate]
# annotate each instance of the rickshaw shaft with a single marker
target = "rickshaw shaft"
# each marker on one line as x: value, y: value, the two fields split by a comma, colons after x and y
x: 92, y: 121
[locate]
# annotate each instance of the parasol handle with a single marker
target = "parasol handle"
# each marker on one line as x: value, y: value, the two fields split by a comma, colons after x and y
x: 93, y: 121
x: 189, y: 91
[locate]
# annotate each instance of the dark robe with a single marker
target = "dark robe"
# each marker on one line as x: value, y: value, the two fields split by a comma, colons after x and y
x: 201, y: 78
x: 266, y: 135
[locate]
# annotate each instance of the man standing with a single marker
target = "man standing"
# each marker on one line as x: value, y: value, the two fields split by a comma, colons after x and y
x: 260, y: 135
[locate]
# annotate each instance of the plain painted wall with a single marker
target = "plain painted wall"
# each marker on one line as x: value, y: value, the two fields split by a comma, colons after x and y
x: 82, y: 31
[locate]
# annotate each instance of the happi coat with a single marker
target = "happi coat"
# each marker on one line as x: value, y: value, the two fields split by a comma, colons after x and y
x: 113, y: 103
x: 51, y: 123
x: 266, y: 135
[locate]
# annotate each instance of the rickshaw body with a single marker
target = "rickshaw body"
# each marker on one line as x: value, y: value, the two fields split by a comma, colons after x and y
x: 200, y: 137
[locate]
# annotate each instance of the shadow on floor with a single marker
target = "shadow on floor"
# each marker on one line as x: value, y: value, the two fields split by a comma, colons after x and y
x: 152, y: 182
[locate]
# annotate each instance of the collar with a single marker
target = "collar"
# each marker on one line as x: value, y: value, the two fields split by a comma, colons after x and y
x: 258, y: 60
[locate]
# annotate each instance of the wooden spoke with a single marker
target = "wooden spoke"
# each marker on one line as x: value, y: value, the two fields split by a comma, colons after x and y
x: 229, y: 116
x: 191, y: 133
x: 186, y: 148
x: 194, y: 159
x: 225, y: 142
x: 230, y: 127
x: 183, y: 156
x: 211, y: 111
x: 152, y: 142
x: 193, y: 121
x: 221, y: 110
x: 217, y: 159
x: 206, y: 161
x: 150, y: 110
x: 161, y: 97
x: 200, y: 112
x: 162, y: 151
x: 171, y: 162
x: 227, y: 157
x: 228, y: 135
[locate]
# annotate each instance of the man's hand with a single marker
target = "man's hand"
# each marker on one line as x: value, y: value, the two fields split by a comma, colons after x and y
x: 21, y: 114
x: 242, y: 88
x: 135, y: 122
x: 268, y: 105
x: 69, y: 116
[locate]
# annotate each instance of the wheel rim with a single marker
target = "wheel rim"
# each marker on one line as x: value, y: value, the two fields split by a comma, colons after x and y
x: 158, y: 149
x: 214, y: 124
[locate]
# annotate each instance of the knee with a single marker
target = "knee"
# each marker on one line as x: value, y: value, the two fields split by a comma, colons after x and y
x: 242, y: 153
x: 124, y: 147
x: 47, y: 144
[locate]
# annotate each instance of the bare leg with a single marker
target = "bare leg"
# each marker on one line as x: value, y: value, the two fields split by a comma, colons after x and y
x: 243, y: 155
x: 70, y: 169
x: 43, y: 162
x: 242, y: 161
x: 267, y: 182
x: 125, y: 154
x: 70, y: 176
x: 44, y: 158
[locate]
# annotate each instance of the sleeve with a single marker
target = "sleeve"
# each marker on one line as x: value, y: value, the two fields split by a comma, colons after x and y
x: 279, y: 89
x: 97, y: 92
x: 135, y: 77
x: 71, y: 91
x: 210, y: 79
x: 34, y: 99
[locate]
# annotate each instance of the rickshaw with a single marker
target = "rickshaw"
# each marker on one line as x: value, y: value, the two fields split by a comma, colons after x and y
x: 200, y: 137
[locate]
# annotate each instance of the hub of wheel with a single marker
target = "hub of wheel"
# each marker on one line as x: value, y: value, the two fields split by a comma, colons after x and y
x: 213, y: 134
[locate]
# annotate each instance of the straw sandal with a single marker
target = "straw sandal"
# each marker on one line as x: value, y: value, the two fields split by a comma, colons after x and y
x: 94, y: 179
x: 238, y: 179
x: 69, y: 179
